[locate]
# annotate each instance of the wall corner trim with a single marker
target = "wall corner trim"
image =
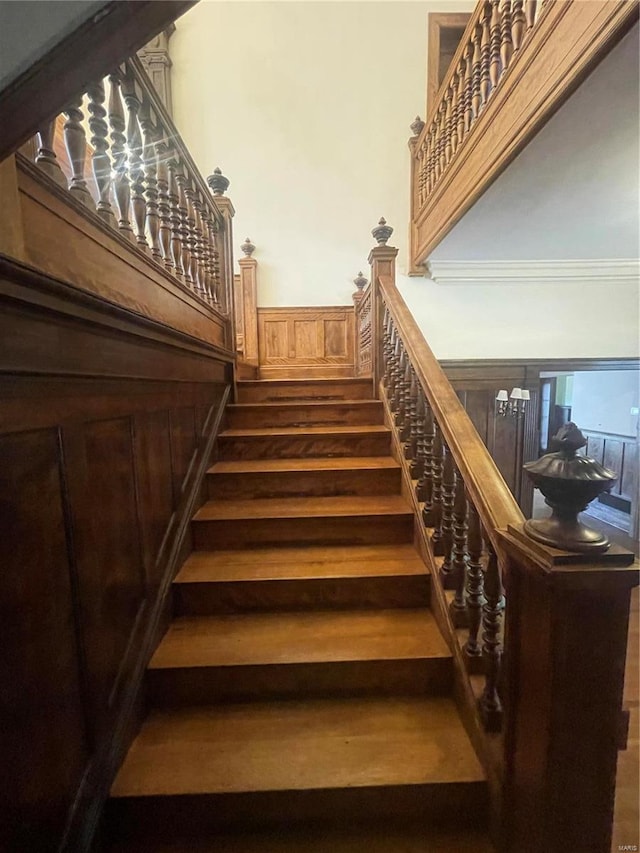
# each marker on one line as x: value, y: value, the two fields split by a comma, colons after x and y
x: 598, y: 271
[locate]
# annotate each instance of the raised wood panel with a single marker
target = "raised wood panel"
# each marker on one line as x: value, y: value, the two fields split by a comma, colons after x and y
x: 299, y: 342
x: 43, y: 742
x: 619, y: 454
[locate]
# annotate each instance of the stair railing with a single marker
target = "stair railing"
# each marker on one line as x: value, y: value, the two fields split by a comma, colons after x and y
x: 547, y: 685
x: 363, y: 305
x: 125, y: 162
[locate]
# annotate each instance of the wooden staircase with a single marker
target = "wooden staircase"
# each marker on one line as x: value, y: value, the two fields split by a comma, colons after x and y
x: 301, y: 697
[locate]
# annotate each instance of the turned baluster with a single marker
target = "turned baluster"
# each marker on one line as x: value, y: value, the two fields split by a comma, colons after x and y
x: 118, y: 148
x: 431, y: 159
x: 530, y: 12
x: 518, y: 23
x: 194, y: 246
x: 215, y: 252
x: 46, y: 156
x: 454, y: 113
x: 476, y: 96
x: 459, y: 555
x: 448, y: 124
x: 136, y: 169
x: 175, y: 219
x: 489, y: 703
x: 475, y: 583
x: 468, y: 87
x: 400, y: 389
x: 208, y: 255
x: 506, y: 45
x: 494, y: 67
x: 386, y: 348
x: 416, y: 467
x: 448, y: 489
x: 485, y: 54
x: 164, y: 206
x: 442, y: 138
x: 461, y: 102
x: 398, y: 369
x: 203, y: 252
x: 405, y: 424
x: 435, y: 516
x: 100, y: 143
x: 75, y: 141
x: 150, y: 161
x: 411, y: 431
x: 425, y: 484
x: 185, y: 234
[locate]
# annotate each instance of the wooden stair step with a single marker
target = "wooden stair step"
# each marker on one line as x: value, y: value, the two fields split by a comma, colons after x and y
x: 308, y: 441
x: 266, y: 390
x: 308, y: 477
x: 338, y: 760
x: 321, y: 653
x: 276, y: 579
x: 293, y: 521
x: 272, y: 414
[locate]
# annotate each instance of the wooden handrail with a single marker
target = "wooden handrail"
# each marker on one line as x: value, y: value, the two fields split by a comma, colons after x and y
x: 490, y: 494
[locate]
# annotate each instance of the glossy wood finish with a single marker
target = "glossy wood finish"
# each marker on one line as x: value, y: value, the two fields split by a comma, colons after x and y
x: 297, y: 442
x: 246, y: 415
x: 561, y: 45
x: 299, y: 342
x: 309, y: 390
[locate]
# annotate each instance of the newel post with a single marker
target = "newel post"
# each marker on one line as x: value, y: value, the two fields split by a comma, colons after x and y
x: 383, y: 263
x: 224, y: 246
x: 566, y: 636
x: 247, y: 302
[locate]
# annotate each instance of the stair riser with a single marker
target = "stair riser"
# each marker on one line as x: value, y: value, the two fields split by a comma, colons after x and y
x: 305, y: 447
x: 263, y: 392
x: 445, y: 804
x: 291, y: 532
x: 210, y: 599
x: 337, y: 414
x: 284, y: 484
x: 171, y: 688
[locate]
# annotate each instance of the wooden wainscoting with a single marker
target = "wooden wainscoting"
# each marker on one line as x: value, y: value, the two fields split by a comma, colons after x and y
x: 106, y: 427
x: 306, y: 342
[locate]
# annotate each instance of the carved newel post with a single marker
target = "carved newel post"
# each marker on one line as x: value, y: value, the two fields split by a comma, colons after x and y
x: 247, y: 303
x: 383, y: 264
x: 360, y: 282
x: 223, y: 255
x: 569, y: 482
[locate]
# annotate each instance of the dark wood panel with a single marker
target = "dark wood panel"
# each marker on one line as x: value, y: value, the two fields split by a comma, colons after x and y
x: 183, y: 446
x: 613, y: 455
x: 629, y: 480
x: 42, y: 736
x: 595, y: 448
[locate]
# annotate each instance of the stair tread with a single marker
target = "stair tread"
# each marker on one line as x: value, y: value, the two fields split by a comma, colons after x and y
x: 315, y: 381
x: 332, y: 463
x: 310, y: 637
x: 297, y: 404
x: 307, y: 507
x: 326, y: 429
x: 301, y: 563
x: 298, y: 745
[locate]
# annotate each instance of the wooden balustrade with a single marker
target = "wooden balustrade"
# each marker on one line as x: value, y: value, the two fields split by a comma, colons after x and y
x: 145, y: 184
x: 364, y: 333
x: 474, y: 535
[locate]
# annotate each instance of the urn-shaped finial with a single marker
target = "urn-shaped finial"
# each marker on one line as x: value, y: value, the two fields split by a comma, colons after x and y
x: 218, y: 183
x: 248, y: 248
x: 417, y: 126
x: 569, y: 482
x: 360, y: 282
x: 382, y: 232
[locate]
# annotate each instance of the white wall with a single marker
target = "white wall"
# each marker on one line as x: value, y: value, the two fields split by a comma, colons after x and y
x: 305, y: 106
x: 603, y: 401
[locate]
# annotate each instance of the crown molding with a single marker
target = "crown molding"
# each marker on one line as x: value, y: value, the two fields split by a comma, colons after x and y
x: 623, y: 270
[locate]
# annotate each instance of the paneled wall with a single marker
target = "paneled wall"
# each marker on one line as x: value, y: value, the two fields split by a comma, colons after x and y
x: 104, y: 424
x: 306, y: 342
x: 619, y: 453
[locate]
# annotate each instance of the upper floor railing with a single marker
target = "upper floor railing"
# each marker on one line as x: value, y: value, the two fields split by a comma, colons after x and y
x: 516, y: 63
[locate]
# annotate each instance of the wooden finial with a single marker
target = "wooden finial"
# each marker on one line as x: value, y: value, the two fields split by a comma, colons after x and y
x: 218, y: 183
x: 382, y: 232
x: 417, y: 126
x: 360, y: 282
x: 248, y: 248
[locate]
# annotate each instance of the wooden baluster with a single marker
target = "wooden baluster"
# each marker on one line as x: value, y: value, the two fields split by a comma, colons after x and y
x: 460, y: 102
x: 423, y: 174
x: 185, y: 235
x: 442, y: 138
x: 416, y: 467
x: 506, y: 45
x: 405, y: 424
x: 454, y: 113
x: 459, y: 555
x: 530, y: 12
x: 75, y: 142
x: 468, y: 87
x: 386, y: 348
x: 118, y: 147
x: 431, y: 163
x: 485, y: 54
x: 476, y: 96
x: 151, y: 180
x: 215, y: 252
x: 489, y: 703
x: 411, y: 430
x: 194, y: 253
x: 206, y: 248
x: 437, y: 459
x: 46, y: 156
x: 447, y: 577
x: 101, y: 160
x: 448, y: 125
x: 495, y: 67
x: 517, y: 27
x: 202, y: 246
x: 425, y: 484
x: 164, y: 206
x: 394, y: 402
x: 475, y: 584
x: 136, y: 169
x: 175, y: 219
